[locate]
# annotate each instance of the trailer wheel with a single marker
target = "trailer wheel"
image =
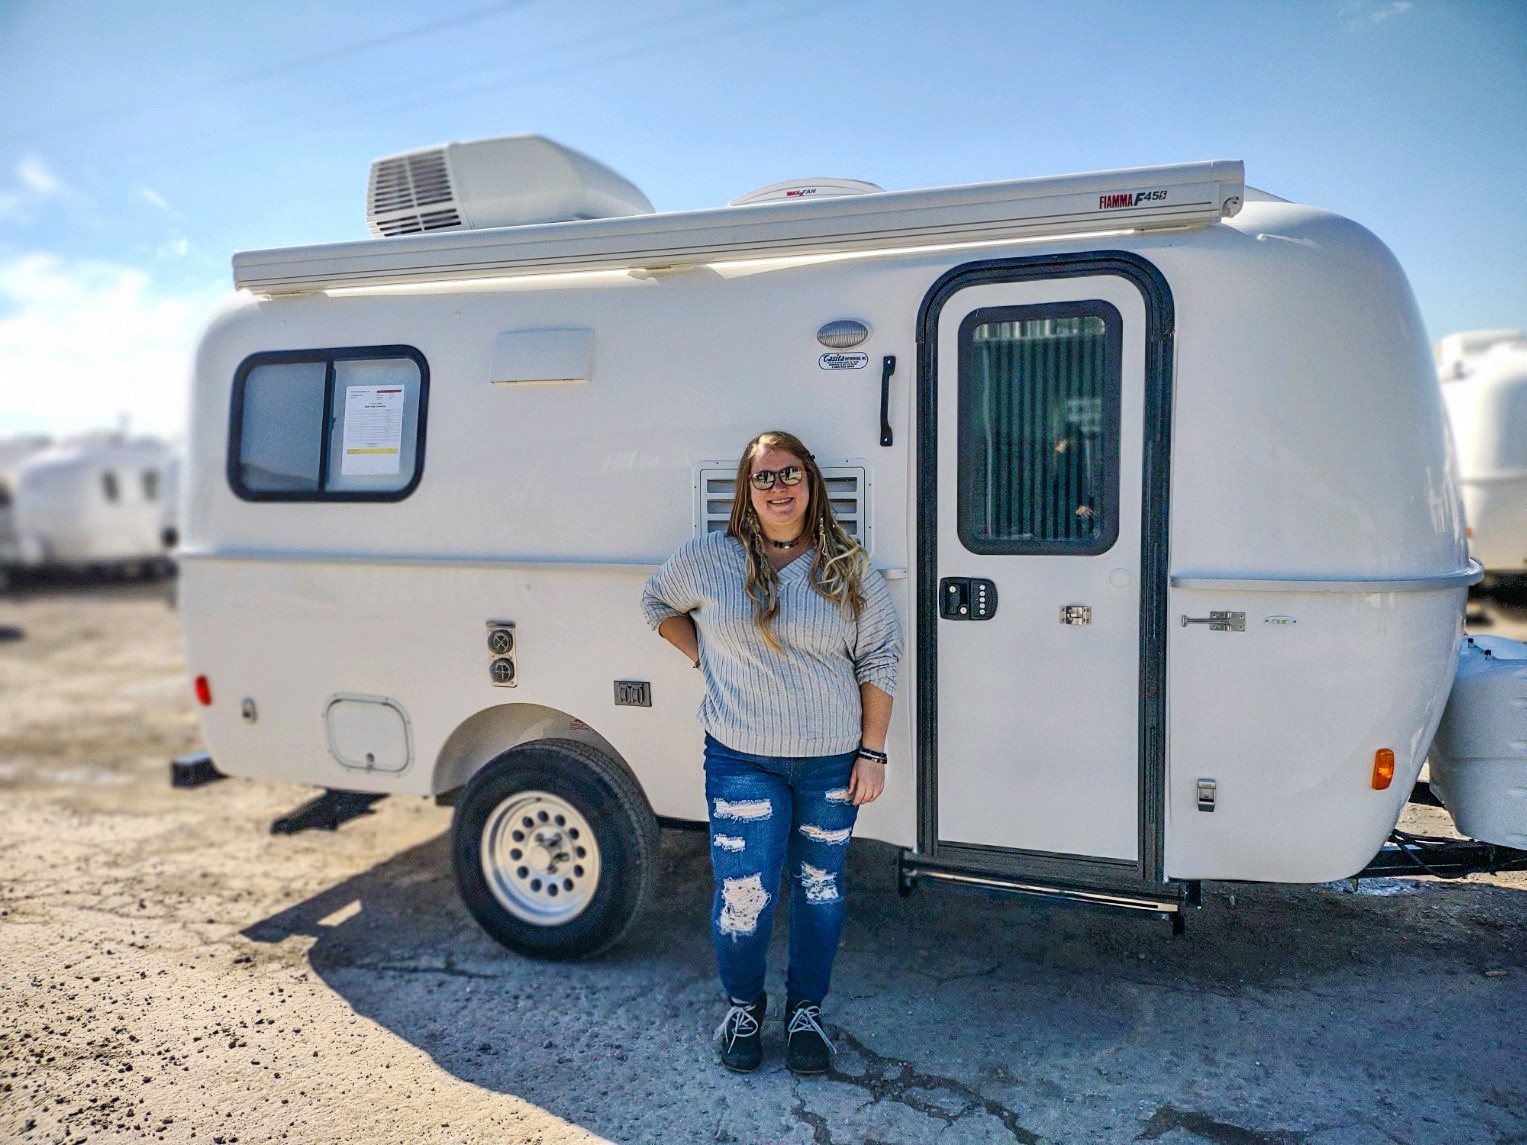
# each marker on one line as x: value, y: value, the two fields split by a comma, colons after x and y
x: 555, y: 849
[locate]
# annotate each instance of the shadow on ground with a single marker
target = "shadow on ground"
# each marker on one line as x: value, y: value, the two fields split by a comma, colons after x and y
x: 1284, y: 1015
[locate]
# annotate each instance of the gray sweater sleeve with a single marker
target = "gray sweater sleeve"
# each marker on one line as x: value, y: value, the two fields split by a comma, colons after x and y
x: 877, y: 639
x: 674, y: 589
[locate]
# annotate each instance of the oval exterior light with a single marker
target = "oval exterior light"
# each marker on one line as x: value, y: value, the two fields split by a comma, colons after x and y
x: 843, y: 334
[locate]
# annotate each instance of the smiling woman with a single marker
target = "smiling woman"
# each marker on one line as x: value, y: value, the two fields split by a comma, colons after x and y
x: 799, y: 644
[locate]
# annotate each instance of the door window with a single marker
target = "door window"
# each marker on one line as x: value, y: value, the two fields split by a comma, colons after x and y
x: 1039, y: 429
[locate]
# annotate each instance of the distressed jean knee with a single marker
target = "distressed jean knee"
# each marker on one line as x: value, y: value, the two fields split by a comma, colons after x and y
x: 743, y: 900
x: 821, y: 887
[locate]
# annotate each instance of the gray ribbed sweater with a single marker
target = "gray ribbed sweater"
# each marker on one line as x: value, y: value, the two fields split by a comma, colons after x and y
x: 802, y: 702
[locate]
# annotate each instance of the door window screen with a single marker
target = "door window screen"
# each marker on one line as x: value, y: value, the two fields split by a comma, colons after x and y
x: 1039, y: 429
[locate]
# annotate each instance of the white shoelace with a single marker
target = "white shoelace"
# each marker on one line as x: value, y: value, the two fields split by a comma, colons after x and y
x: 806, y: 1019
x: 738, y: 1023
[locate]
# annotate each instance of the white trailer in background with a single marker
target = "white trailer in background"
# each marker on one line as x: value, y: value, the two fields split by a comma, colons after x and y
x: 1155, y: 467
x: 1484, y: 384
x: 13, y: 451
x: 95, y: 503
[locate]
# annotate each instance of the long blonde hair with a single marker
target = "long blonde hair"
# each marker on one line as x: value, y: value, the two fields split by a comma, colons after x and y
x: 840, y: 563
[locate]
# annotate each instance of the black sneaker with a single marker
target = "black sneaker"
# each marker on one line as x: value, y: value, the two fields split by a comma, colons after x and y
x: 741, y: 1044
x: 806, y: 1044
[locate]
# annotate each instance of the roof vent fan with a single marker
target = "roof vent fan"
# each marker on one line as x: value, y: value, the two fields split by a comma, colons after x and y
x: 507, y: 182
x: 798, y: 190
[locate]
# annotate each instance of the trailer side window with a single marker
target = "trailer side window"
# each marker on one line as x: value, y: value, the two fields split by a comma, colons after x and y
x: 1039, y: 429
x: 342, y: 424
x: 109, y: 486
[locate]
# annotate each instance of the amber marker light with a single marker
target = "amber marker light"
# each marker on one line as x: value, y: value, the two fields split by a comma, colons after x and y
x: 204, y: 693
x: 1383, y: 768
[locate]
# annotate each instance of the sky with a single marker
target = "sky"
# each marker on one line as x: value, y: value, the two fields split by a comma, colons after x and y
x: 143, y: 142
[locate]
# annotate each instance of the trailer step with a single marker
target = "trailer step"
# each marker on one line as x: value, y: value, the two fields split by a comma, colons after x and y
x: 194, y: 770
x: 1167, y: 902
x: 326, y: 812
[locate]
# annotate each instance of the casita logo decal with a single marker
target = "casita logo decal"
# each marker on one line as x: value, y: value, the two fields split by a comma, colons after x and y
x: 1130, y: 199
x: 843, y: 361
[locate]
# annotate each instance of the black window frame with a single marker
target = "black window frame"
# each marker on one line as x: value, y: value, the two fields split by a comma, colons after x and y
x: 328, y: 355
x: 966, y: 499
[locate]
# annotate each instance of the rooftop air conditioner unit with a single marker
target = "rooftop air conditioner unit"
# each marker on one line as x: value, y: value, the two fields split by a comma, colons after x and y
x: 494, y: 183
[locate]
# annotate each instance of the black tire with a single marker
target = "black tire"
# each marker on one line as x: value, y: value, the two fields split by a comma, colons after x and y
x: 555, y: 849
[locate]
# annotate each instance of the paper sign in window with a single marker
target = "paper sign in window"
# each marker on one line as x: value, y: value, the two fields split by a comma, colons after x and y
x: 373, y: 430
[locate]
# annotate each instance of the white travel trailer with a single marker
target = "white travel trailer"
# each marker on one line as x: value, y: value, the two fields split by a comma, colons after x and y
x: 13, y: 451
x: 94, y: 503
x: 1154, y: 464
x: 1484, y: 384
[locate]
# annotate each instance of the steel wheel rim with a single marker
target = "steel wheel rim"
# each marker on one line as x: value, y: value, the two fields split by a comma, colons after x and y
x: 540, y: 858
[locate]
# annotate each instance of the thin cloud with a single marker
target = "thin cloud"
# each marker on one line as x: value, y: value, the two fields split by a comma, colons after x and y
x: 84, y: 342
x: 1358, y: 14
x: 154, y: 198
x: 34, y: 183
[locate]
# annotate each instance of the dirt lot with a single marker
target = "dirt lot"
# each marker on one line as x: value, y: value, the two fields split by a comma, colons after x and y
x: 173, y: 972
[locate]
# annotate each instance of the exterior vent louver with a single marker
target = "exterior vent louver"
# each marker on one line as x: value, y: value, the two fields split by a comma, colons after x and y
x: 403, y: 186
x: 847, y: 489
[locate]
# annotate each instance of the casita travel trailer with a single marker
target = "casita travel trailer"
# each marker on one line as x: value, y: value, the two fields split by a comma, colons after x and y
x: 93, y: 503
x: 13, y: 451
x: 1154, y: 464
x: 1484, y: 386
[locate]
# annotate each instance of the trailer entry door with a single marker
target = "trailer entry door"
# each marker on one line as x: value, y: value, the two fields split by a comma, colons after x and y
x: 1034, y: 587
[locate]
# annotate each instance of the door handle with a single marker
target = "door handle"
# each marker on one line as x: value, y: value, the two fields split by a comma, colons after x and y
x: 966, y: 598
x: 1219, y: 621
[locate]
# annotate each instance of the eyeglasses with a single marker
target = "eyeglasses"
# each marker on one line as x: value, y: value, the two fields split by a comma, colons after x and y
x: 763, y: 480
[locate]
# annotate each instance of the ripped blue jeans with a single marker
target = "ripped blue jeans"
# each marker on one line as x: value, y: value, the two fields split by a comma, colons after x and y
x: 767, y: 814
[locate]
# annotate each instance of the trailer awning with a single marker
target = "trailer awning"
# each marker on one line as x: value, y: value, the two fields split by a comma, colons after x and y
x: 1138, y: 198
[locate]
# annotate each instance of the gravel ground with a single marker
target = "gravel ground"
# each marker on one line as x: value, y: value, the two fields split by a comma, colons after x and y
x: 175, y: 973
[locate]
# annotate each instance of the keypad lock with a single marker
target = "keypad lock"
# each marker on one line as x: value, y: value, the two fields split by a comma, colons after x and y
x: 966, y: 598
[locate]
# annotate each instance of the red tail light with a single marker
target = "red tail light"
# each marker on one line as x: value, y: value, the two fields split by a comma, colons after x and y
x: 203, y: 691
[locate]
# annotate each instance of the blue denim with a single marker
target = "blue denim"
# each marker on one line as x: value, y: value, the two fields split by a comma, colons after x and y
x: 768, y: 813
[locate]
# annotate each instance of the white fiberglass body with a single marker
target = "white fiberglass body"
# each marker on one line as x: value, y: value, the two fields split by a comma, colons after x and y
x: 1281, y: 455
x: 13, y: 451
x: 1486, y: 396
x: 95, y: 501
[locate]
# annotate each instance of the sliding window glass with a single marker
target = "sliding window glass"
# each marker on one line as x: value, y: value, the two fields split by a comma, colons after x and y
x: 1039, y: 429
x: 318, y: 425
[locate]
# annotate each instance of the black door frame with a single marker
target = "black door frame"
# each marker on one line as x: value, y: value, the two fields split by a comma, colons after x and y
x: 1147, y: 872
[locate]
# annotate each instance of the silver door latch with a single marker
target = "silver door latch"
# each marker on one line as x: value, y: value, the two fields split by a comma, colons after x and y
x: 1075, y: 614
x: 1207, y: 794
x: 1219, y: 621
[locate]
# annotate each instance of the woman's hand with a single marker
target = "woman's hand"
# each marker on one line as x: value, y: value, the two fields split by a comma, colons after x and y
x: 867, y: 781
